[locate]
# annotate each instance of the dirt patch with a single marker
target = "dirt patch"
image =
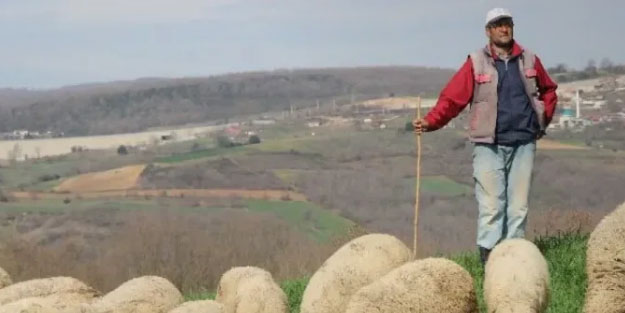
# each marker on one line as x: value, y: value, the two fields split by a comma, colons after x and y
x: 546, y: 144
x: 175, y: 193
x: 116, y: 179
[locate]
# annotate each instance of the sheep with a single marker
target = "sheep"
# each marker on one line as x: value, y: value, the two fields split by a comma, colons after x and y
x: 205, y: 306
x: 605, y: 265
x: 5, y: 278
x: 250, y: 290
x: 516, y: 278
x: 147, y: 294
x: 46, y: 287
x: 58, y: 303
x: 428, y: 285
x: 355, y: 265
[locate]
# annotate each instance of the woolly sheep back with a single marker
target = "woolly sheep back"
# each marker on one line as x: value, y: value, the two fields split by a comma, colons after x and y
x: 61, y: 303
x: 355, y: 265
x: 250, y: 290
x: 605, y: 265
x: 428, y: 285
x: 5, y: 278
x: 147, y: 294
x: 516, y: 278
x: 204, y: 306
x: 45, y: 287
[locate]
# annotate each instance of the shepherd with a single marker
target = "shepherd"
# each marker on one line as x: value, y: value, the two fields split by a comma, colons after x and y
x: 512, y: 102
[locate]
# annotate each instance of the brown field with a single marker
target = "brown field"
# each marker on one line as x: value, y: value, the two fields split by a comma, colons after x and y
x: 546, y: 144
x: 174, y: 193
x: 123, y: 178
x: 399, y: 103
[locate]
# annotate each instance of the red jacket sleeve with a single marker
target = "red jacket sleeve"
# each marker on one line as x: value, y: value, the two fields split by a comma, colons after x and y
x: 453, y: 98
x: 546, y: 90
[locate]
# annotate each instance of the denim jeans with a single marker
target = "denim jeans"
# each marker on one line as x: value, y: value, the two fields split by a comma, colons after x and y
x: 502, y: 177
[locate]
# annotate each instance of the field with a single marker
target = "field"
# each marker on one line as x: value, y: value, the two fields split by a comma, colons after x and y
x: 284, y: 204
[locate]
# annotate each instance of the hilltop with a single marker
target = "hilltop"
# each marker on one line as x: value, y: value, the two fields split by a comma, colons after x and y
x: 130, y: 106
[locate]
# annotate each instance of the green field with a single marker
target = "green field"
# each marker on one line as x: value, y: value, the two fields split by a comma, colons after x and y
x: 444, y: 186
x: 565, y: 256
x: 320, y: 224
x: 200, y: 154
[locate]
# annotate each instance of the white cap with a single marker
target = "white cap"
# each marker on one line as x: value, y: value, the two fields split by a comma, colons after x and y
x: 496, y: 14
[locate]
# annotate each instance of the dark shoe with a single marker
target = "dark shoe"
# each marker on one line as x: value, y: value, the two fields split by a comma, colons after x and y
x: 484, y: 253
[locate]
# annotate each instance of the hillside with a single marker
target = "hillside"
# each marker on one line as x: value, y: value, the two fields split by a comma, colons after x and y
x: 117, y: 107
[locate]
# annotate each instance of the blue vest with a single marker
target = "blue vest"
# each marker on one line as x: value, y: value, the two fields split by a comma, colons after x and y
x: 516, y: 118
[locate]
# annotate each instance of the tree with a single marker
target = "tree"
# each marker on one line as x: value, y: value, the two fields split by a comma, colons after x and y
x: 224, y: 142
x: 122, y: 150
x: 606, y: 65
x: 559, y: 68
x: 591, y: 68
x: 254, y: 139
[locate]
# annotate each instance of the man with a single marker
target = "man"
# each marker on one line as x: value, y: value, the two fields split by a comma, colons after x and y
x: 512, y: 102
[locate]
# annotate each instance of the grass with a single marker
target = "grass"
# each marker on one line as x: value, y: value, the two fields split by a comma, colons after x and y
x: 200, y: 154
x: 316, y: 222
x: 444, y: 186
x: 565, y: 255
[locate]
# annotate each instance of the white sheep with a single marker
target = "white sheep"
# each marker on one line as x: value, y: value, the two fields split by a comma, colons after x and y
x: 516, y: 278
x: 605, y: 265
x: 355, y: 265
x: 429, y: 285
x: 204, y: 306
x: 5, y: 278
x: 46, y: 287
x: 58, y: 303
x: 250, y: 290
x: 147, y: 294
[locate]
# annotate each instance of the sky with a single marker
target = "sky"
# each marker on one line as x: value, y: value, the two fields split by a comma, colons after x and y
x: 53, y: 43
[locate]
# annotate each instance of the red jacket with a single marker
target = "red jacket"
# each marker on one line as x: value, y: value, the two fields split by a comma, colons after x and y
x: 459, y: 92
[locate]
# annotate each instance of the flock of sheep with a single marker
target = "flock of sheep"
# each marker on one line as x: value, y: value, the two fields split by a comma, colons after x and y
x: 370, y: 274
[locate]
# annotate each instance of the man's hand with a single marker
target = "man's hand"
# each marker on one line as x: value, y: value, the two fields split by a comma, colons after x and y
x: 420, y: 125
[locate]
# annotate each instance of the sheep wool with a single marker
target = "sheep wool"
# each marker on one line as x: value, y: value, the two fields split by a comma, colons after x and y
x: 205, y: 306
x: 147, y: 294
x: 45, y: 287
x: 516, y: 278
x: 250, y: 290
x: 605, y: 265
x: 424, y: 286
x: 5, y: 278
x: 355, y: 265
x: 58, y: 303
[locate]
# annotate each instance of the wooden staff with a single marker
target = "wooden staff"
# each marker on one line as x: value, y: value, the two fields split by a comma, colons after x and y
x: 416, y: 205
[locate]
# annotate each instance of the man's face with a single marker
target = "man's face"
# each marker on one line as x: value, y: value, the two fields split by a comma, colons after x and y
x: 501, y: 32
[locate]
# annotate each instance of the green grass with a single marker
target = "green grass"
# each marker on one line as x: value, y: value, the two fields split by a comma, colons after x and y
x: 443, y: 185
x: 565, y: 255
x: 200, y: 154
x: 319, y: 224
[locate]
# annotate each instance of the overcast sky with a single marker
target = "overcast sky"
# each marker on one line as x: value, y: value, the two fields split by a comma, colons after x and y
x: 51, y: 43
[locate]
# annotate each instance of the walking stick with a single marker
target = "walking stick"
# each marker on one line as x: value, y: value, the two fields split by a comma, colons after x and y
x: 416, y: 205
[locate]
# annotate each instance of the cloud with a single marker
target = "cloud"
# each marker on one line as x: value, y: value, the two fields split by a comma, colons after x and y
x: 111, y: 11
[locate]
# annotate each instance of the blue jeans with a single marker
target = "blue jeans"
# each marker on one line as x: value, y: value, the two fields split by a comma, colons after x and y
x: 502, y: 177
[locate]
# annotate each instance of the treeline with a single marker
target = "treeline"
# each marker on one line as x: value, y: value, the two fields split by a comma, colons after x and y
x: 563, y: 73
x: 136, y: 105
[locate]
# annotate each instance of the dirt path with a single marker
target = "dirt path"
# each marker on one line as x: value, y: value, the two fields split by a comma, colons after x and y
x: 172, y: 193
x: 547, y: 144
